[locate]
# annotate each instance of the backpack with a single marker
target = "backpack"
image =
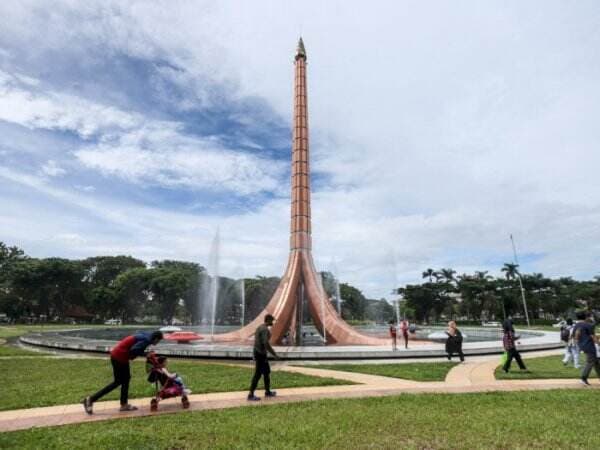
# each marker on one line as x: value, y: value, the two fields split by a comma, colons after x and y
x: 565, y: 333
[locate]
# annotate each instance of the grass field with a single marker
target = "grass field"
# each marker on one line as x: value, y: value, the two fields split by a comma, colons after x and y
x: 10, y: 350
x: 410, y: 371
x: 543, y: 367
x: 11, y: 332
x: 31, y: 382
x: 519, y: 420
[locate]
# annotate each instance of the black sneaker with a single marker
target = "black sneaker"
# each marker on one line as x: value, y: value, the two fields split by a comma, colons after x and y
x: 271, y: 394
x: 253, y: 398
x: 87, y: 405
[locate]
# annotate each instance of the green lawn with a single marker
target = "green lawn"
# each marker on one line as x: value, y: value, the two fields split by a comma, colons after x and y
x: 9, y: 350
x: 31, y: 382
x: 409, y: 371
x: 543, y: 367
x: 7, y: 331
x: 11, y: 332
x: 525, y: 420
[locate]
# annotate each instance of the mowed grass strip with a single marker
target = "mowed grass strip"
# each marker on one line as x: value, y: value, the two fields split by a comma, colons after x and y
x: 520, y: 420
x: 542, y: 368
x: 11, y: 350
x: 408, y: 371
x: 11, y: 332
x: 32, y: 382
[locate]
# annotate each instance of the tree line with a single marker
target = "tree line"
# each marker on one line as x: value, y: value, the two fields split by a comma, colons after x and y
x: 480, y: 296
x: 104, y: 287
x: 122, y: 287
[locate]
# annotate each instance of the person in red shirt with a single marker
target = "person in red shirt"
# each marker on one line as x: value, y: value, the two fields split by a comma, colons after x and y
x: 404, y: 328
x: 393, y: 334
x: 126, y: 349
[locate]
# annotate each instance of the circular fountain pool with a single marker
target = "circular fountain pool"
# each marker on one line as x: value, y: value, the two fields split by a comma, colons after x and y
x: 479, y: 341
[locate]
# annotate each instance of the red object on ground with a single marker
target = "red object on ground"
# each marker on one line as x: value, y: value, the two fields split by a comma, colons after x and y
x: 183, y: 336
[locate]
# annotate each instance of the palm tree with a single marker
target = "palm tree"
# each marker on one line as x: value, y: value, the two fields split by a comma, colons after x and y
x: 448, y: 274
x: 511, y: 271
x: 429, y: 273
x: 482, y: 275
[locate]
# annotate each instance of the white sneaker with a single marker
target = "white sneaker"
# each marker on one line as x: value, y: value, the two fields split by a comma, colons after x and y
x: 584, y: 382
x: 187, y: 391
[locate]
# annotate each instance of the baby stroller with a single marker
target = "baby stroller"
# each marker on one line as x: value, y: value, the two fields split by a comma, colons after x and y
x: 165, y: 387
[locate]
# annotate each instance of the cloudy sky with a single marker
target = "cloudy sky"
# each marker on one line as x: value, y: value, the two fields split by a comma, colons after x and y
x: 437, y: 129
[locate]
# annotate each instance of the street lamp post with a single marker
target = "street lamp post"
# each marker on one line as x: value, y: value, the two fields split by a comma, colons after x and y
x: 520, y: 281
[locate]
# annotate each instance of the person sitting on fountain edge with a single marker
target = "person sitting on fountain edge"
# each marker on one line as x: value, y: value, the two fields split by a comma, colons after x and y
x: 261, y: 347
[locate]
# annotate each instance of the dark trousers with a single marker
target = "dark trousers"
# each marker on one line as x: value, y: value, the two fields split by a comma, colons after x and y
x: 262, y: 368
x: 122, y: 375
x: 513, y: 353
x: 591, y: 362
x: 460, y: 354
x: 405, y: 336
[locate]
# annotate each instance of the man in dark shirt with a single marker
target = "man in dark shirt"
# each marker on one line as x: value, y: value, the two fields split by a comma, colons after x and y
x: 261, y: 347
x: 585, y: 337
x: 126, y: 349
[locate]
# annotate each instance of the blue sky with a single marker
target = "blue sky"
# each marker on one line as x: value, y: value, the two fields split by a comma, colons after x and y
x: 436, y: 131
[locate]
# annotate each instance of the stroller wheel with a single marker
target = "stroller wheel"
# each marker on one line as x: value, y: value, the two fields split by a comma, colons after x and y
x: 153, y: 405
x: 185, y: 402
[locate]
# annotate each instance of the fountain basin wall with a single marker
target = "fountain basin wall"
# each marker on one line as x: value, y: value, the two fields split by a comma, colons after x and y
x: 81, y: 341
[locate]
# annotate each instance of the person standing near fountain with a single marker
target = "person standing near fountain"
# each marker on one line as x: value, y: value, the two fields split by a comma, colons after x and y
x: 404, y: 328
x: 262, y: 367
x: 126, y: 349
x: 454, y: 341
x: 393, y: 335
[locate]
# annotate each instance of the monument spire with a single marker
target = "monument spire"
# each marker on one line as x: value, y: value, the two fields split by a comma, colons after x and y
x: 301, y: 283
x: 300, y: 50
x: 300, y: 223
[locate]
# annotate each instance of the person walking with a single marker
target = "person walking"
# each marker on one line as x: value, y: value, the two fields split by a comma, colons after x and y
x: 262, y: 368
x: 508, y: 341
x: 454, y: 341
x: 404, y: 328
x: 393, y: 335
x: 571, y: 347
x: 126, y: 349
x: 586, y: 339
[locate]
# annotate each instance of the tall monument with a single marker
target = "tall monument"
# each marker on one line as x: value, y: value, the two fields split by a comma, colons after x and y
x: 300, y: 282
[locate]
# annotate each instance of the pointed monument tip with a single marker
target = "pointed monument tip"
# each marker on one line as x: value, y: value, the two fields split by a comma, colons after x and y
x: 300, y: 51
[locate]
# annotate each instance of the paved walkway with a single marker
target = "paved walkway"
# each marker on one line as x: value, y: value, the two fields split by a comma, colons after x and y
x: 476, y: 375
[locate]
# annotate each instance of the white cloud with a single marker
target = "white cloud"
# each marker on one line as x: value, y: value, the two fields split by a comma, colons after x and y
x: 22, y: 105
x: 52, y: 169
x: 441, y: 130
x: 158, y: 155
x: 135, y: 148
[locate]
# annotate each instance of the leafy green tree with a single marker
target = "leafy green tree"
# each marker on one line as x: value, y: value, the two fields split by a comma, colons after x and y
x: 420, y: 299
x: 195, y: 280
x: 259, y: 291
x: 168, y: 286
x: 354, y: 303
